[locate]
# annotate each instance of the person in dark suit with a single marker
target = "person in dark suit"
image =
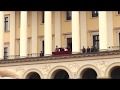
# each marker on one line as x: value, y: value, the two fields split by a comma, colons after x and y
x: 83, y: 50
x: 88, y: 49
x: 92, y: 49
x: 41, y: 54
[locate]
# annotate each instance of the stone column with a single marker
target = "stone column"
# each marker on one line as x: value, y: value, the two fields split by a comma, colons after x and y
x: 23, y: 34
x: 75, y: 32
x: 105, y: 30
x: 48, y: 33
x: 1, y: 35
x: 34, y: 32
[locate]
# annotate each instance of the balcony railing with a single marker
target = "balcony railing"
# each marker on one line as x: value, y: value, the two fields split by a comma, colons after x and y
x: 39, y: 55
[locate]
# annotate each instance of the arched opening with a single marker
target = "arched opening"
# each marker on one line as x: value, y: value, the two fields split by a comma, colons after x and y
x: 33, y: 75
x: 60, y: 74
x: 89, y: 73
x: 115, y: 72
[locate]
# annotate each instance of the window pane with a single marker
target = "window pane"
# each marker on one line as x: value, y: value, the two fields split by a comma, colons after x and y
x: 6, y: 18
x: 5, y: 52
x: 6, y: 23
x: 5, y: 49
x: 68, y: 15
x: 42, y: 16
x: 96, y: 41
x: 118, y: 12
x: 6, y: 26
x: 94, y: 13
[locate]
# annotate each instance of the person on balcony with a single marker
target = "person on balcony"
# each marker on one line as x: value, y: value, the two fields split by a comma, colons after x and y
x: 41, y: 54
x: 88, y: 49
x: 83, y: 50
x: 66, y: 49
x: 56, y: 49
x: 92, y: 49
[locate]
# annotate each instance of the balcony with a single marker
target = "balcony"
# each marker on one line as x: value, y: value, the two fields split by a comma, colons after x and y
x: 114, y: 50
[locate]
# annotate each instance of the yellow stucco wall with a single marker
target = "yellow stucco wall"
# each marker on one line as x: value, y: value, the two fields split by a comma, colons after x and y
x: 116, y: 24
x: 65, y: 27
x: 92, y: 22
x: 116, y: 19
x: 7, y: 37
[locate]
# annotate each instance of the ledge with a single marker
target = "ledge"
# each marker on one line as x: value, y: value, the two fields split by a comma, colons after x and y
x: 58, y: 58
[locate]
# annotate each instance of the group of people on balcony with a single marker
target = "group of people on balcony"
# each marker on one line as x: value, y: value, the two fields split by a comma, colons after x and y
x: 89, y: 50
x: 84, y: 50
x: 57, y: 49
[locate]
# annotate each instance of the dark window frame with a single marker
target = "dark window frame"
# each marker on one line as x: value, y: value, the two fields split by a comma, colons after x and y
x: 69, y: 42
x: 6, y: 23
x: 95, y: 14
x: 68, y: 15
x: 43, y: 13
x: 118, y: 12
x: 5, y: 52
x: 96, y: 40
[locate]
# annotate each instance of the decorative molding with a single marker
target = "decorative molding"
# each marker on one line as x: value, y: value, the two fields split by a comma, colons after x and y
x: 91, y: 31
x: 6, y: 43
x: 116, y: 28
x: 46, y: 69
x: 69, y: 33
x: 94, y: 56
x: 102, y: 66
x: 42, y: 36
x: 75, y: 76
x: 73, y: 67
x: 20, y: 71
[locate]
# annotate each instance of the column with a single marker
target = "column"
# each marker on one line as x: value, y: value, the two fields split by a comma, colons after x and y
x: 34, y: 32
x: 83, y: 29
x: 105, y: 30
x: 23, y: 34
x: 48, y: 33
x: 12, y: 33
x: 75, y: 32
x: 1, y: 34
x: 57, y: 29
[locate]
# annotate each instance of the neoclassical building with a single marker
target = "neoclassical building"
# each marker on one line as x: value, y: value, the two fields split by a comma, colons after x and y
x: 25, y: 35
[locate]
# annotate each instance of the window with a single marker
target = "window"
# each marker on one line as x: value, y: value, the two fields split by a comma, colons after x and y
x: 68, y: 15
x: 96, y: 41
x: 69, y: 43
x: 6, y: 23
x: 94, y: 13
x: 118, y: 12
x: 5, y: 52
x: 42, y: 16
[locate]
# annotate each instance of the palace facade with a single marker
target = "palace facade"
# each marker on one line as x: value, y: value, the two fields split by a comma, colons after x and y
x: 28, y: 41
